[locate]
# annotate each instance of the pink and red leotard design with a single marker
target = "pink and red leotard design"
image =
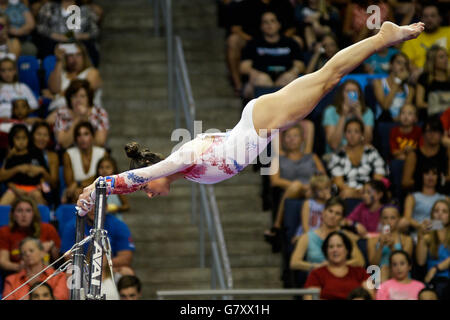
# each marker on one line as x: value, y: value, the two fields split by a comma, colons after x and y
x: 228, y: 154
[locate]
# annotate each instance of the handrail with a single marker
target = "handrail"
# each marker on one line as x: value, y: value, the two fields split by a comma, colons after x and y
x: 180, y: 94
x: 314, y: 292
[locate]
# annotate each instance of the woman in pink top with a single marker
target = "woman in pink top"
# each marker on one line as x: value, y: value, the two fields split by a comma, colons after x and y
x: 400, y: 286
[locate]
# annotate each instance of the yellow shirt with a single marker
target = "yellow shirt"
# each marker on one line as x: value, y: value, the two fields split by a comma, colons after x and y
x: 416, y: 49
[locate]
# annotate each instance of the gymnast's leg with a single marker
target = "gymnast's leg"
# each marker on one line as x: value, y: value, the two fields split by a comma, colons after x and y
x: 287, y: 106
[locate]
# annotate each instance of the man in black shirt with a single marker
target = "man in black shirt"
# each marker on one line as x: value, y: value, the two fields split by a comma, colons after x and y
x: 271, y: 60
x: 246, y: 26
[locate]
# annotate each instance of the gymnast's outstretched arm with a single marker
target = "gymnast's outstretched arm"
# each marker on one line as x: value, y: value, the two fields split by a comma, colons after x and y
x: 133, y: 180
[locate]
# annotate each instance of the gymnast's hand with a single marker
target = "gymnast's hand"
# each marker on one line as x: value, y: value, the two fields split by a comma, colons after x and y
x: 86, y: 200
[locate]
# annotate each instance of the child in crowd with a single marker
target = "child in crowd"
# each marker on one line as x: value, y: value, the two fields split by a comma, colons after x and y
x: 312, y: 208
x: 11, y: 88
x: 405, y: 137
x: 359, y: 294
x: 379, y: 248
x: 365, y: 217
x: 117, y: 203
x: 428, y: 293
x: 23, y: 169
x: 21, y: 111
x: 401, y: 286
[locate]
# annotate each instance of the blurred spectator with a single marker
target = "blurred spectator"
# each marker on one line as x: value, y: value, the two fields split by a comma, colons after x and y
x: 417, y: 207
x: 44, y: 292
x: 430, y: 151
x: 295, y: 170
x: 433, y: 34
x: 11, y: 88
x: 356, y: 164
x: 52, y: 29
x: 365, y: 217
x: 445, y: 119
x: 117, y: 203
x: 316, y: 18
x: 433, y: 246
x: 392, y: 92
x: 21, y: 111
x: 433, y: 86
x: 80, y: 162
x: 428, y: 293
x: 356, y: 17
x: 21, y: 24
x: 96, y: 9
x: 7, y: 44
x: 41, y: 139
x: 336, y: 278
x: 23, y: 168
x: 119, y: 235
x: 80, y: 108
x: 323, y: 51
x: 25, y: 221
x: 272, y: 60
x: 400, y: 286
x: 359, y: 294
x: 246, y: 26
x: 130, y: 288
x: 32, y: 254
x: 72, y: 63
x: 405, y: 137
x: 380, y: 61
x: 312, y: 208
x: 405, y: 12
x: 349, y: 104
x: 309, y: 254
x: 389, y: 239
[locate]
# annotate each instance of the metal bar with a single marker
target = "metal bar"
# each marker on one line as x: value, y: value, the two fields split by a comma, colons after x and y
x: 184, y: 73
x: 156, y: 17
x: 212, y: 237
x: 221, y: 239
x: 201, y: 238
x: 96, y: 269
x: 239, y: 292
x: 170, y: 53
x: 78, y: 260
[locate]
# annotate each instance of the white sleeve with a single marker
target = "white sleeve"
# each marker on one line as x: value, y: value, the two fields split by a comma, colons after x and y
x: 26, y: 91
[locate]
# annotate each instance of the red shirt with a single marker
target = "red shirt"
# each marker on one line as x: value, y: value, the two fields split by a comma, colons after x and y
x: 58, y: 283
x: 10, y: 240
x: 445, y: 119
x: 399, y: 140
x: 335, y: 288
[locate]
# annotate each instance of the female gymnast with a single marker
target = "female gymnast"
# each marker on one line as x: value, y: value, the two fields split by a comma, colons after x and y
x: 211, y: 158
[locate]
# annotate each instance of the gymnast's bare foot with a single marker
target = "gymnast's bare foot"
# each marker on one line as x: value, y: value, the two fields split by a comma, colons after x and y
x: 391, y: 34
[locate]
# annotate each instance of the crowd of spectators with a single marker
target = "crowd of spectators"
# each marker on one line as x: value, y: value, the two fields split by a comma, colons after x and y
x: 372, y: 186
x: 53, y: 143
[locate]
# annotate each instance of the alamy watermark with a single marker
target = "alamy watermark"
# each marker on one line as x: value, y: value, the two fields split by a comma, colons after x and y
x: 73, y: 21
x: 374, y: 280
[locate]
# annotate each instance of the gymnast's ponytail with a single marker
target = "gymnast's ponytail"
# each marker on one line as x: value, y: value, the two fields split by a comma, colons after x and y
x: 141, y: 157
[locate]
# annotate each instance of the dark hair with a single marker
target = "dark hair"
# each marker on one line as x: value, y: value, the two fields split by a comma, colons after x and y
x: 16, y: 129
x: 390, y: 205
x: 379, y: 186
x: 110, y: 159
x: 347, y: 243
x: 433, y: 123
x: 14, y: 104
x: 75, y: 86
x: 129, y: 281
x: 398, y: 54
x: 335, y: 201
x: 339, y: 97
x: 45, y: 284
x: 38, y: 125
x: 83, y: 124
x: 354, y: 120
x: 359, y: 293
x: 430, y: 288
x: 430, y: 166
x: 140, y: 156
x: 404, y: 253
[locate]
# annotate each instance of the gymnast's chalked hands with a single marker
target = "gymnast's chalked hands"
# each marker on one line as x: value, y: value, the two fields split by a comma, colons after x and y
x: 86, y: 200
